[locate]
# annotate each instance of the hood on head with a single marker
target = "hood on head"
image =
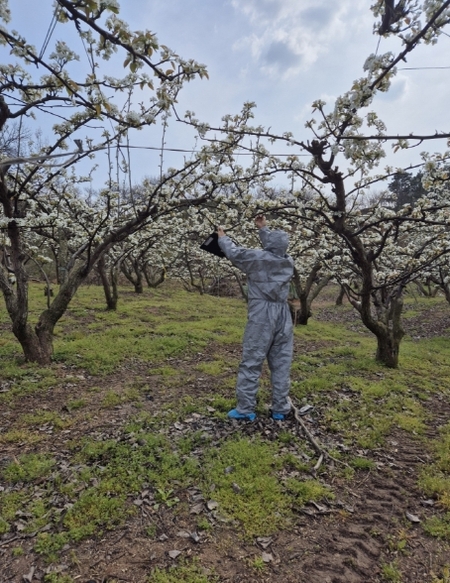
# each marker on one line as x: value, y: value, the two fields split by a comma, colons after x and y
x: 275, y: 241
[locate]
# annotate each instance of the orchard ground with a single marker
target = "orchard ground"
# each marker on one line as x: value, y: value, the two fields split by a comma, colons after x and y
x: 117, y: 462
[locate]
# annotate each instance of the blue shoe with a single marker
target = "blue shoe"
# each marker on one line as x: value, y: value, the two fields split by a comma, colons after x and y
x: 233, y: 414
x: 278, y: 416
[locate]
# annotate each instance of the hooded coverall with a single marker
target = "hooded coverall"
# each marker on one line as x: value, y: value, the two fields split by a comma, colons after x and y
x: 269, y: 330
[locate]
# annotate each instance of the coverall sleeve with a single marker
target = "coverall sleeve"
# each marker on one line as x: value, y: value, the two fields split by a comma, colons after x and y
x: 264, y: 233
x: 240, y: 257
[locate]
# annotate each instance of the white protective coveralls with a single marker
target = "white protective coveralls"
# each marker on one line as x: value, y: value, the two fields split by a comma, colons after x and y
x: 269, y: 330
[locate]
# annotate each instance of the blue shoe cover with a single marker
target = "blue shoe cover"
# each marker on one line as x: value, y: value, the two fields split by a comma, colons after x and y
x: 277, y: 416
x: 233, y: 414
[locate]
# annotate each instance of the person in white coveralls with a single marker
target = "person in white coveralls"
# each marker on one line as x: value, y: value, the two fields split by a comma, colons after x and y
x: 269, y: 330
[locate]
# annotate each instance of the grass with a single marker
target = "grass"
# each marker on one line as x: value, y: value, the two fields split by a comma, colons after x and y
x: 435, y: 481
x: 188, y: 572
x: 185, y: 349
x: 443, y: 577
x: 113, y: 337
x: 28, y: 468
x: 104, y: 475
x: 246, y: 486
x: 390, y: 573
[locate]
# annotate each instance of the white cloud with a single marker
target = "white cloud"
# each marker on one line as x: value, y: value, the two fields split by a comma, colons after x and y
x: 296, y: 35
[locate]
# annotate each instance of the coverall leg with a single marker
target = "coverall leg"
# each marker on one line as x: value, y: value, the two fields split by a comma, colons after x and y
x: 268, y: 334
x: 279, y: 358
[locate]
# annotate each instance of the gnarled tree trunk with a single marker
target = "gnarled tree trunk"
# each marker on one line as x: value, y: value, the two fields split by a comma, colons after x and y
x: 307, y: 294
x: 109, y: 283
x: 154, y: 276
x: 133, y: 272
x: 381, y: 312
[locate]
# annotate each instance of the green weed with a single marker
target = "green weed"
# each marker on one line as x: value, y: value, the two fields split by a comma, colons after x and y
x: 246, y: 487
x: 151, y: 531
x: 28, y: 467
x: 20, y: 436
x: 215, y: 367
x: 111, y: 399
x: 43, y: 417
x: 10, y: 503
x: 187, y: 573
x: 391, y: 573
x: 361, y: 463
x: 203, y: 524
x: 222, y: 404
x: 57, y: 578
x: 25, y: 379
x: 443, y: 577
x: 49, y: 544
x: 166, y: 497
x: 17, y: 552
x: 438, y: 527
x: 435, y: 478
x: 4, y: 526
x: 75, y: 404
x: 93, y: 510
x: 258, y: 564
x: 307, y: 491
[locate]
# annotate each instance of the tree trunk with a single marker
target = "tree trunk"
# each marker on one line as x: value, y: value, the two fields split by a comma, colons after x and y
x: 340, y: 297
x: 380, y: 307
x: 16, y: 300
x: 446, y: 289
x: 304, y: 313
x: 35, y: 349
x: 154, y: 276
x: 244, y: 289
x: 133, y: 273
x: 308, y: 293
x: 387, y: 327
x: 388, y: 348
x: 109, y: 285
x: 48, y: 319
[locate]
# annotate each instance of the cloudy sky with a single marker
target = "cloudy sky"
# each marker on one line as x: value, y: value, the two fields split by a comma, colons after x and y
x: 281, y: 54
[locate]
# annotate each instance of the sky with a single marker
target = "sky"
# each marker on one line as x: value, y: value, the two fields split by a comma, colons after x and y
x: 280, y: 54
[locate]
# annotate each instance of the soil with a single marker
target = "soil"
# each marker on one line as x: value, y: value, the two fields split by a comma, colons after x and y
x: 346, y: 540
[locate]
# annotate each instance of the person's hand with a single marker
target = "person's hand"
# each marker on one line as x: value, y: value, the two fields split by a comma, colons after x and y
x: 220, y: 232
x: 260, y: 221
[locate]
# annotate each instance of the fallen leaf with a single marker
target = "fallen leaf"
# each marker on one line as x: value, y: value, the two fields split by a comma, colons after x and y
x: 412, y: 517
x: 197, y: 508
x: 195, y: 537
x: 319, y: 507
x: 163, y: 537
x: 29, y: 576
x: 303, y: 410
x: 264, y: 541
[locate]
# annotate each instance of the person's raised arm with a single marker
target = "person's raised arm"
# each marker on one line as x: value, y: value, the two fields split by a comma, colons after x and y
x: 240, y: 257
